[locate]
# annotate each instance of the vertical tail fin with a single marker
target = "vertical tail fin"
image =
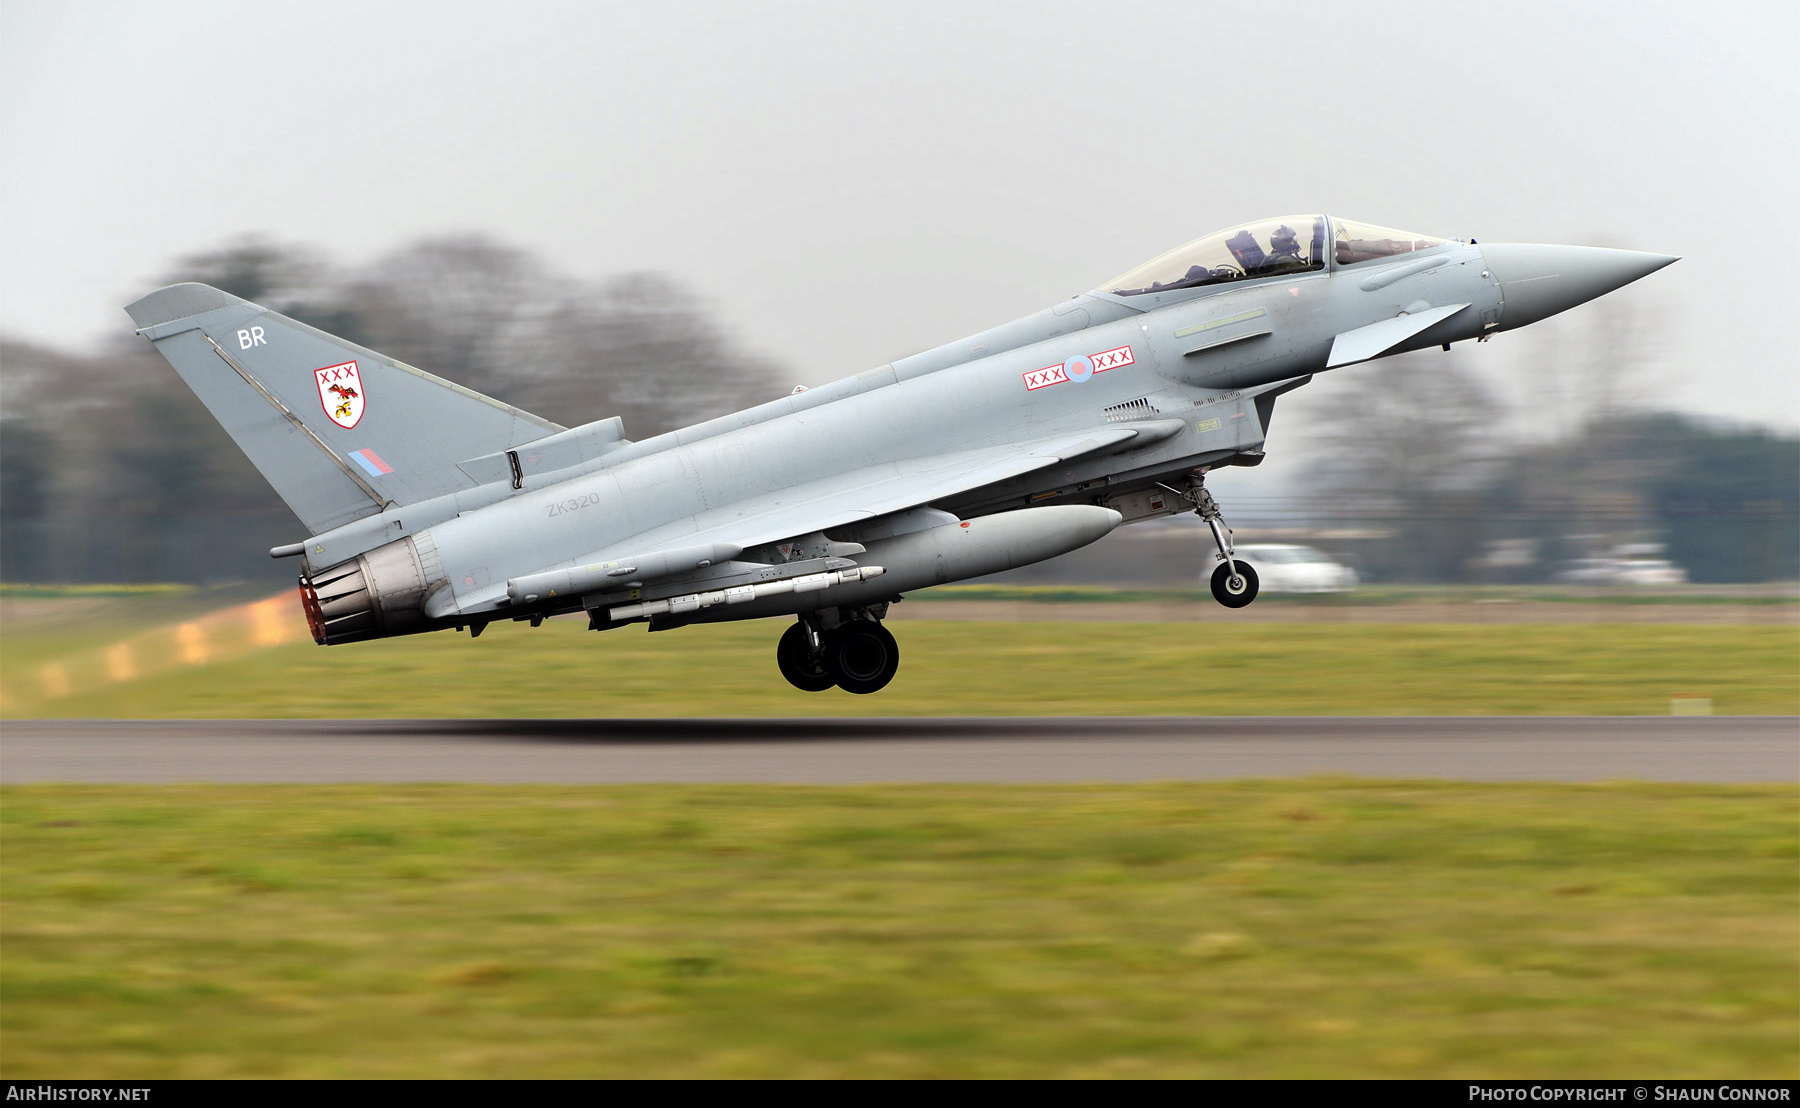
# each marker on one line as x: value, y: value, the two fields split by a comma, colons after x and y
x: 339, y: 430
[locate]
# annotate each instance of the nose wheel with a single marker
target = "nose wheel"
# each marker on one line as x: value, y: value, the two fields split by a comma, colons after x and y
x: 1234, y: 583
x: 859, y: 656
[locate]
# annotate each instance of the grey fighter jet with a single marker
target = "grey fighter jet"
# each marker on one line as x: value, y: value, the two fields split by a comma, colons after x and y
x: 432, y: 507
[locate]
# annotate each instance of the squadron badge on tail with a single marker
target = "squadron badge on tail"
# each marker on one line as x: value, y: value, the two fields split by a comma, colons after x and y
x: 340, y: 391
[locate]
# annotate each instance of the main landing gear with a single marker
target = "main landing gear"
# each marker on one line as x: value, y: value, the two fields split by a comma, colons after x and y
x: 857, y: 655
x: 1234, y: 583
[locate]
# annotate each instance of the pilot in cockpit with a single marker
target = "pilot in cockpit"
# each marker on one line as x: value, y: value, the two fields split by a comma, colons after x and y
x: 1284, y: 248
x: 1261, y: 249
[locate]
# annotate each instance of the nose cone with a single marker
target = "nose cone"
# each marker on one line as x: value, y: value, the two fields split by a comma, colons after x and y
x: 1539, y: 281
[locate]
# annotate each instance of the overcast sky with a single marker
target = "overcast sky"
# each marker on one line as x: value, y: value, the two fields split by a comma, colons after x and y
x: 852, y: 182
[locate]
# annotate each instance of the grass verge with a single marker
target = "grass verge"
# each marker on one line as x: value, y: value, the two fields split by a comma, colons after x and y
x: 948, y: 668
x: 1294, y: 928
x: 1374, y: 596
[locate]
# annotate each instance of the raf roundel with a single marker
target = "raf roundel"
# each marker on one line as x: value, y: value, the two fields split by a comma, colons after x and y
x: 341, y: 394
x: 1078, y: 369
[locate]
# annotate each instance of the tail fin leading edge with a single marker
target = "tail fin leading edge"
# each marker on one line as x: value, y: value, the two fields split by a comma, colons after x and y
x: 339, y: 430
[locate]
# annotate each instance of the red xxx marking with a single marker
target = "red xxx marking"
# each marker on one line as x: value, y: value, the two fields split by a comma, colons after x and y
x: 1057, y: 375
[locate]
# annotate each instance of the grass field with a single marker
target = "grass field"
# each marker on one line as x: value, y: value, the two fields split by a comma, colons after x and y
x: 1304, y: 928
x: 1780, y: 595
x: 267, y: 669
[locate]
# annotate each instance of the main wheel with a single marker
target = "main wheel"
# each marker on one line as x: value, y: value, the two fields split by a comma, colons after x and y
x: 803, y: 669
x: 862, y: 656
x: 1234, y: 591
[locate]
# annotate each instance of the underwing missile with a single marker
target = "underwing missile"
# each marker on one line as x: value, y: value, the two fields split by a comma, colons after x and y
x: 743, y: 594
x: 951, y: 552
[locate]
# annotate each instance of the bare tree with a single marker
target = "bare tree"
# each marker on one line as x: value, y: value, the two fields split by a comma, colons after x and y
x: 466, y: 308
x: 1593, y: 373
x: 1410, y: 447
x: 110, y: 469
x: 648, y: 351
x: 1593, y: 366
x: 493, y: 318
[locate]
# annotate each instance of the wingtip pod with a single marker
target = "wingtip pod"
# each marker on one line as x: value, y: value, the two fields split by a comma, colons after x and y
x: 173, y: 302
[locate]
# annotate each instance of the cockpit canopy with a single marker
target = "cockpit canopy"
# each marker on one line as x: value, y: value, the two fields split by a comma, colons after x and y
x: 1268, y: 248
x: 1365, y: 242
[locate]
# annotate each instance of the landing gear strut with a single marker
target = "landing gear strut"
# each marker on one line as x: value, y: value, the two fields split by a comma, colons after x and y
x: 857, y: 655
x: 1234, y: 583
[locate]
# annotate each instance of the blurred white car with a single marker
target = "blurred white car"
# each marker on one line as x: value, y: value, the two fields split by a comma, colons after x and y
x: 1621, y: 571
x: 1284, y: 568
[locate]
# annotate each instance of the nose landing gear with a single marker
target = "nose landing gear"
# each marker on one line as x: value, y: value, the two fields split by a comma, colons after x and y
x: 857, y: 655
x: 1234, y: 583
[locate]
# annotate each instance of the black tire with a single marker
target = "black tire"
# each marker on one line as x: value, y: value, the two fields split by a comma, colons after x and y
x: 803, y: 669
x: 863, y: 656
x: 1238, y: 594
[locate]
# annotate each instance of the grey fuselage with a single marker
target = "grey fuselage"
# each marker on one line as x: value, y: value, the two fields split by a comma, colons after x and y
x: 1204, y: 367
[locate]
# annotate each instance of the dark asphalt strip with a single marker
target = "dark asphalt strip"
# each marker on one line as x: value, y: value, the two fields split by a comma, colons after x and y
x: 841, y: 751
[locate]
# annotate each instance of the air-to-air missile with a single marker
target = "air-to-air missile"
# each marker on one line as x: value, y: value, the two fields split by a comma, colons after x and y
x: 432, y: 507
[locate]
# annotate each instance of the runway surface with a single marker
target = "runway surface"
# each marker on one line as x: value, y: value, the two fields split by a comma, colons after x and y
x: 844, y: 751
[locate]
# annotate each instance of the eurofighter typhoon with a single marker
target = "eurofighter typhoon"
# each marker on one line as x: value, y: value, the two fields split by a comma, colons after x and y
x: 432, y: 507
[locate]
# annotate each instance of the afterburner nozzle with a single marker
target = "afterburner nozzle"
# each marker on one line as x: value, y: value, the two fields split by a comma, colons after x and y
x: 1538, y: 281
